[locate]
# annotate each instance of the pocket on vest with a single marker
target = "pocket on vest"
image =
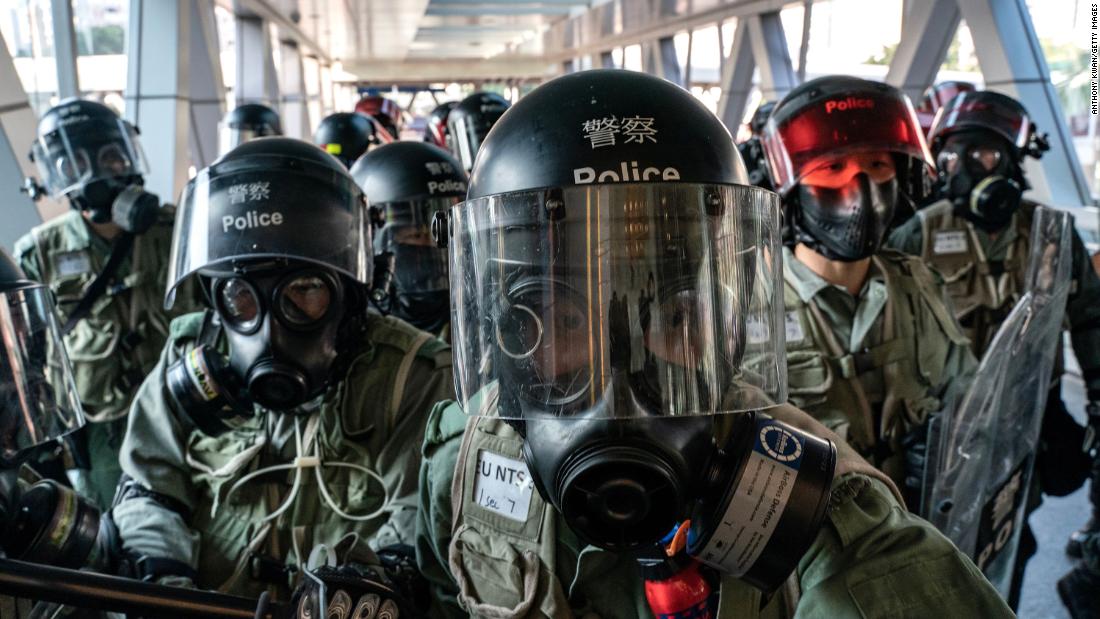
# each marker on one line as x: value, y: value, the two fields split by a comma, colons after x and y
x: 808, y: 376
x: 495, y: 577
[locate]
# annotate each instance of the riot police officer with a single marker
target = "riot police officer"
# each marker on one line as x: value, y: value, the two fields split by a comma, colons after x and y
x: 286, y: 416
x: 752, y: 152
x: 470, y: 121
x: 615, y: 287
x: 978, y: 236
x: 106, y: 261
x: 436, y: 132
x: 407, y: 184
x: 247, y: 122
x: 345, y: 135
x: 845, y: 153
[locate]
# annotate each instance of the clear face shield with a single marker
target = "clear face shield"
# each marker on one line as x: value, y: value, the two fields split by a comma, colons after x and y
x: 38, y: 398
x: 468, y: 134
x: 619, y: 301
x: 420, y: 265
x: 79, y: 153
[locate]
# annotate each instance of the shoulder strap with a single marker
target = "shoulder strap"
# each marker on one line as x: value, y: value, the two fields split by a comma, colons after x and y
x: 402, y: 376
x: 119, y: 250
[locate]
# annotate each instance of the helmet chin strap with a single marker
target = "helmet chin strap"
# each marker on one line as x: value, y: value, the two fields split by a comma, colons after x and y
x: 309, y: 457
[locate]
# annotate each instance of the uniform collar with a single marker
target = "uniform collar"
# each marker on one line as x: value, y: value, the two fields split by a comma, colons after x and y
x: 808, y: 284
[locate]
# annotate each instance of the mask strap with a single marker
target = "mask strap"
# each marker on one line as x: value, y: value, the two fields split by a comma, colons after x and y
x: 315, y: 462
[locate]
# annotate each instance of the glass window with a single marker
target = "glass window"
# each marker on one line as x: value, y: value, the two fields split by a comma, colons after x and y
x: 27, y: 27
x: 100, y: 27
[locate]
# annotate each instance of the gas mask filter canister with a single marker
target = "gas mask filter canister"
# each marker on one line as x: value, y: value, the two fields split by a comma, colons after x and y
x: 763, y: 501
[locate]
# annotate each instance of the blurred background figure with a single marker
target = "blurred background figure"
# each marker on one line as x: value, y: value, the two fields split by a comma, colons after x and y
x: 247, y: 122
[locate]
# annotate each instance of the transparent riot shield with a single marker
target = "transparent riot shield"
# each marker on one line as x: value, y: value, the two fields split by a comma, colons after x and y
x: 982, y: 452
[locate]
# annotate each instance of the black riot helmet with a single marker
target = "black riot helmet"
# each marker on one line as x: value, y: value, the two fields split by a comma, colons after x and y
x: 345, y: 135
x: 436, y: 132
x: 846, y: 154
x: 86, y: 153
x: 470, y: 121
x: 979, y: 139
x: 407, y: 184
x: 38, y: 398
x: 279, y: 233
x: 760, y: 117
x: 248, y: 122
x: 611, y: 270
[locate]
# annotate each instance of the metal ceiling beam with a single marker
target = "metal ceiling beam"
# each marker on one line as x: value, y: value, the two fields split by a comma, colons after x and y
x: 648, y: 22
x: 736, y: 79
x: 287, y: 28
x: 927, y: 30
x: 769, y: 50
x: 420, y: 71
x: 1012, y: 62
x: 478, y: 11
x: 17, y: 133
x: 64, y: 44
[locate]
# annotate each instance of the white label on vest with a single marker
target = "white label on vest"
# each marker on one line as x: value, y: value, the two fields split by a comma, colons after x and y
x: 757, y: 330
x: 503, y: 485
x: 949, y: 242
x: 758, y: 501
x: 72, y: 262
x: 793, y: 327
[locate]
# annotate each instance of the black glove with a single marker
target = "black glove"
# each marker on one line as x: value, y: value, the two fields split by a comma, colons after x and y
x: 350, y: 592
x: 399, y: 563
x: 915, y: 449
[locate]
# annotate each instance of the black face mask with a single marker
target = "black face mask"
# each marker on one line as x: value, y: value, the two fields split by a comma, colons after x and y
x: 986, y: 198
x: 428, y: 311
x: 119, y: 200
x: 845, y: 224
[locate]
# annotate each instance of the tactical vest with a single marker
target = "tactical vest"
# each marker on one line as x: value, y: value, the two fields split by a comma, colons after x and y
x: 119, y: 342
x: 355, y: 423
x: 908, y: 347
x: 982, y: 291
x: 507, y: 546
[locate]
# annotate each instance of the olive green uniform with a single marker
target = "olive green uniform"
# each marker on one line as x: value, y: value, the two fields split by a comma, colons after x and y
x: 374, y: 417
x: 874, y: 367
x: 985, y: 277
x: 119, y: 341
x: 872, y: 558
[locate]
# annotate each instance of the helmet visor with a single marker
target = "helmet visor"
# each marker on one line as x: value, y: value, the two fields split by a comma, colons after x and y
x: 419, y: 264
x: 79, y: 153
x: 797, y: 144
x: 285, y: 212
x: 469, y: 131
x: 38, y: 398
x: 619, y: 301
x: 971, y: 110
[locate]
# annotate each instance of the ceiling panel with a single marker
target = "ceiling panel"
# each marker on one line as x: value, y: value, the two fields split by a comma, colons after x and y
x: 358, y: 31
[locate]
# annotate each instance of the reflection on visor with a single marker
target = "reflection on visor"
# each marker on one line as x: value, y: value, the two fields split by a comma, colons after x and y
x: 38, y: 401
x: 641, y: 299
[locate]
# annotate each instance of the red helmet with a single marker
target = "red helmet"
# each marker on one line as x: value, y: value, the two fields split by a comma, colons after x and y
x: 935, y: 97
x: 384, y: 110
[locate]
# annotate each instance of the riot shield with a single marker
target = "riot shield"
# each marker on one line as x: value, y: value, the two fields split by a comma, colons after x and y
x: 981, y: 452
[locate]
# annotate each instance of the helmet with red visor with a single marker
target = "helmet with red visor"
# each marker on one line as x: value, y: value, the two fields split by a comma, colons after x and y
x: 846, y: 154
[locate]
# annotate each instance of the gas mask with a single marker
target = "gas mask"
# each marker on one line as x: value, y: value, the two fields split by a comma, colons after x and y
x: 418, y: 292
x: 283, y: 332
x: 616, y: 326
x: 848, y: 222
x: 982, y: 180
